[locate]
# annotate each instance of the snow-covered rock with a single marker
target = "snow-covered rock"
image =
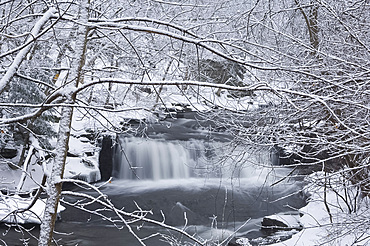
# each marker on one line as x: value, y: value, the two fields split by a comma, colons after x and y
x: 282, y: 222
x: 83, y: 168
x: 243, y: 242
x: 83, y: 160
x: 10, y: 204
x: 10, y: 178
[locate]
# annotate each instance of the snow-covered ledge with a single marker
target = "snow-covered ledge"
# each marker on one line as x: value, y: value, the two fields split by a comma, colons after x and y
x: 10, y: 205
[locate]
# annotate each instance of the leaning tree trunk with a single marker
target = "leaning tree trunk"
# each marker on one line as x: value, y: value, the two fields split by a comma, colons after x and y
x: 312, y: 25
x: 54, y: 186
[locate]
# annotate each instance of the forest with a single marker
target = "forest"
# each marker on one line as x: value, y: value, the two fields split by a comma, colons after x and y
x: 287, y: 77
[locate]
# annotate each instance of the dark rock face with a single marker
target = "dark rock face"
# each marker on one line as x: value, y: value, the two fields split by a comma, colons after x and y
x: 8, y: 153
x: 106, y: 158
x: 233, y: 244
x: 280, y: 222
x: 307, y: 160
x: 272, y: 224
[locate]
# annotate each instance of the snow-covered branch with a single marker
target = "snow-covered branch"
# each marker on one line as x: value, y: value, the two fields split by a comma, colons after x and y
x: 12, y: 70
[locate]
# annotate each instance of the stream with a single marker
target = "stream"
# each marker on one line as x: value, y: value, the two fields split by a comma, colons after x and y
x: 179, y: 172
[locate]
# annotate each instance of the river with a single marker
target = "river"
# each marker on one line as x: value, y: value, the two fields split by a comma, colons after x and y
x: 179, y: 172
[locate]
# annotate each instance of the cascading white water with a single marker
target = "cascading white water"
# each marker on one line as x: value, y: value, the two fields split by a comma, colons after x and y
x: 155, y: 159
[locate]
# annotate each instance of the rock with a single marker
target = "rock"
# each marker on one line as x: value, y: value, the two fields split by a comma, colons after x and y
x: 233, y: 244
x: 84, y: 139
x: 106, y: 158
x: 281, y: 222
x: 269, y: 223
x: 243, y: 242
x: 8, y: 153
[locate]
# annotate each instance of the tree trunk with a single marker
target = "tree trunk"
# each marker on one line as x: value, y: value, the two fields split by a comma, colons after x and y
x: 312, y: 25
x: 54, y: 186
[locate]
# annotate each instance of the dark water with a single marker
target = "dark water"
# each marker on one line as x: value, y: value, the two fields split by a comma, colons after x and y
x: 214, y: 209
x: 174, y: 167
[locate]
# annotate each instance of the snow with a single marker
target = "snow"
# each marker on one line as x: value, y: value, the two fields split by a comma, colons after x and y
x: 346, y: 228
x: 11, y: 203
x: 243, y: 241
x: 9, y: 178
x: 317, y: 227
x: 315, y: 220
x: 77, y: 147
x: 84, y: 164
x: 76, y: 167
x: 292, y: 221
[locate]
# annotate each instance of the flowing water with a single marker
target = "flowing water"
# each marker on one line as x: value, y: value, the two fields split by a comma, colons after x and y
x: 211, y: 188
x: 157, y: 159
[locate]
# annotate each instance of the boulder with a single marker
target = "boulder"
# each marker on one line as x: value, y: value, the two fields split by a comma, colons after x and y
x: 8, y: 153
x: 284, y: 222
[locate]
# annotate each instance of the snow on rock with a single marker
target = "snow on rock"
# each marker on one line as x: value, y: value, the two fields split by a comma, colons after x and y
x: 243, y: 242
x: 83, y: 155
x: 10, y: 204
x: 282, y: 222
x: 318, y: 229
x: 79, y: 146
x: 278, y: 227
x: 82, y: 161
x: 9, y: 178
x: 83, y: 168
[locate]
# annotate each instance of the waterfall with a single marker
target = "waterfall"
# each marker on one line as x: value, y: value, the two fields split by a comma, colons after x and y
x: 156, y: 159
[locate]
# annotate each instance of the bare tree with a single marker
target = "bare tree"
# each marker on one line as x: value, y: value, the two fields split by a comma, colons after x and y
x: 304, y: 63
